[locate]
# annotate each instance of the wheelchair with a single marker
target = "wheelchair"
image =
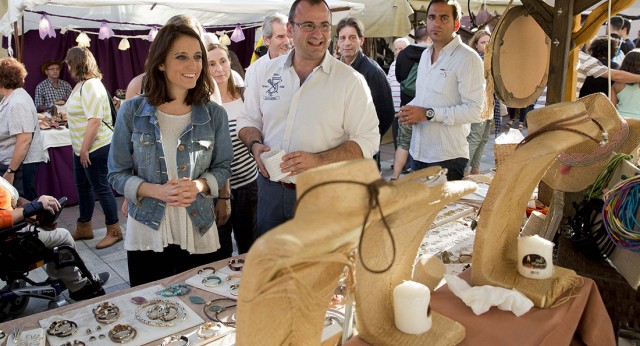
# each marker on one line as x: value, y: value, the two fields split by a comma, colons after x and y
x: 21, y: 252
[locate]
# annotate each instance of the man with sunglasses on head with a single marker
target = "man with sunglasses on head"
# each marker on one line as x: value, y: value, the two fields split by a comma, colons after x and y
x: 313, y: 107
x: 449, y: 95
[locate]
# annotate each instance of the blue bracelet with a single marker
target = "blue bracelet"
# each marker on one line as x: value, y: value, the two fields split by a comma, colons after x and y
x: 174, y: 290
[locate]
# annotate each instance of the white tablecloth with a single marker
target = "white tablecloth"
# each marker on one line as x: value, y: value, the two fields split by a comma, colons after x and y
x: 53, y: 138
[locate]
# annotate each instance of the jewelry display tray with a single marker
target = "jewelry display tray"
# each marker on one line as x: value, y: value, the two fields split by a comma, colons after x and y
x: 222, y: 289
x: 145, y: 334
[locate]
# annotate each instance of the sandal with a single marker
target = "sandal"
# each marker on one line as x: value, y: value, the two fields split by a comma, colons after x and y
x: 508, y: 124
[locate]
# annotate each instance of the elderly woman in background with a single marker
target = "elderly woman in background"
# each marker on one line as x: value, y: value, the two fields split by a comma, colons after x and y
x: 171, y: 154
x: 20, y: 139
x: 89, y: 113
x: 244, y: 172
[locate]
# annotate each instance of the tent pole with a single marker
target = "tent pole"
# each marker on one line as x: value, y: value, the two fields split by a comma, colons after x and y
x: 15, y: 38
x: 21, y: 40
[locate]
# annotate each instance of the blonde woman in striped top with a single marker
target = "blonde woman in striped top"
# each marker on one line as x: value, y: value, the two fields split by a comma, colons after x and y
x: 89, y: 113
x: 244, y: 172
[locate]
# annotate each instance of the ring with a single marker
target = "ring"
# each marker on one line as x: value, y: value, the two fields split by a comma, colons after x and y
x: 62, y: 328
x: 212, y: 281
x: 122, y: 333
x: 170, y: 340
x: 236, y: 264
x: 207, y: 330
x: 233, y: 289
x: 204, y: 272
x: 235, y: 278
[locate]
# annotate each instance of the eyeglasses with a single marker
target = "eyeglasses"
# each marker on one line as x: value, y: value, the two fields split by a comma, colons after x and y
x: 310, y: 27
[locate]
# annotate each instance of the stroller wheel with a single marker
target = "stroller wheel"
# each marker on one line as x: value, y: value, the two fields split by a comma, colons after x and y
x: 14, y: 307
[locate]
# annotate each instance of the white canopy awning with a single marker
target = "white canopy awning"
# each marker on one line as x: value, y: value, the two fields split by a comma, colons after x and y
x: 141, y: 14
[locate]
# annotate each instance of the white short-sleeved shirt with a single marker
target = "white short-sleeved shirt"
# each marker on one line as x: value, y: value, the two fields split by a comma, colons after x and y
x: 331, y: 107
x: 18, y: 115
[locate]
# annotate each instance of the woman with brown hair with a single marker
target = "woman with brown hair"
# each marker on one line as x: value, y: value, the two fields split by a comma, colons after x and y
x: 244, y: 172
x: 20, y: 140
x: 172, y: 153
x: 89, y: 113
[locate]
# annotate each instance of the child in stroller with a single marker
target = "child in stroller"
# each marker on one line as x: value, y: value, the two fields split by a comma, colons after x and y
x: 25, y: 248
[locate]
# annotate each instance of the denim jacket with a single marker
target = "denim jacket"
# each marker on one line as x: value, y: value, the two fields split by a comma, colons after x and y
x: 204, y: 151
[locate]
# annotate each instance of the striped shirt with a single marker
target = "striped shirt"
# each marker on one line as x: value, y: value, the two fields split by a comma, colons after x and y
x: 395, y: 86
x: 93, y: 103
x: 243, y: 166
x: 587, y: 66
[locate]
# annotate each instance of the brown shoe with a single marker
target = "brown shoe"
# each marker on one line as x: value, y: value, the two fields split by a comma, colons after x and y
x: 83, y: 231
x: 114, y: 235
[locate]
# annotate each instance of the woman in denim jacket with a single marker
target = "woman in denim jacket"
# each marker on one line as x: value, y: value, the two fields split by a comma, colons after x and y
x: 171, y: 153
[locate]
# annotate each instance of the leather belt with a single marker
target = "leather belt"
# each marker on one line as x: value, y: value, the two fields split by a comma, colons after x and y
x: 289, y: 186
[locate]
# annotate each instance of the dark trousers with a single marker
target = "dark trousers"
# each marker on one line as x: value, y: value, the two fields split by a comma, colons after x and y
x: 242, y: 222
x: 455, y: 167
x: 92, y: 181
x: 275, y: 204
x: 148, y: 266
x: 24, y: 180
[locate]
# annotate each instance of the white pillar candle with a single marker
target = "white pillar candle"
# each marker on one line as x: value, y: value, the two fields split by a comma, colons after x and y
x: 535, y: 257
x: 411, y: 307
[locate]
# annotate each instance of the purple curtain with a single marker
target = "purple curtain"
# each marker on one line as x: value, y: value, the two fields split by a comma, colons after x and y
x: 118, y: 67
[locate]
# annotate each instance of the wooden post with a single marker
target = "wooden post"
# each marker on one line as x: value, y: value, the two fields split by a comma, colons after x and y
x: 561, y: 44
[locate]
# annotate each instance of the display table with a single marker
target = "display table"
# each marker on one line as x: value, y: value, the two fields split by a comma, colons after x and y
x: 55, y: 175
x: 583, y: 319
x: 31, y: 322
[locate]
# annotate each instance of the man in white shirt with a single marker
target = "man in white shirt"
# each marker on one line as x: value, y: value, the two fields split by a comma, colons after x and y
x: 449, y: 95
x: 307, y: 103
x: 276, y: 38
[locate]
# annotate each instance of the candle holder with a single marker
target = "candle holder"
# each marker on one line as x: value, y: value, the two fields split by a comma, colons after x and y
x: 412, y: 204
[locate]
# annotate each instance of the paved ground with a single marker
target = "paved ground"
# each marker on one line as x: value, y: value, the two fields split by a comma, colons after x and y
x: 114, y: 260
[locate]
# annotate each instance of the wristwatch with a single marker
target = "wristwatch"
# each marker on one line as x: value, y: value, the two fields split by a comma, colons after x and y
x: 429, y: 114
x: 255, y: 141
x: 10, y: 171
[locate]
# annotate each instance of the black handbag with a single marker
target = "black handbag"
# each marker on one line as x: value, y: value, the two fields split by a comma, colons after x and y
x: 587, y: 231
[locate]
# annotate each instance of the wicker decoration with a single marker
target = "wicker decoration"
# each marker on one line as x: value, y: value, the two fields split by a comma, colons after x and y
x: 501, y: 152
x: 552, y: 130
x: 408, y: 212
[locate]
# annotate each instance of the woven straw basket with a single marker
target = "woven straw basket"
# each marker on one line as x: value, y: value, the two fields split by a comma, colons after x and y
x: 502, y: 151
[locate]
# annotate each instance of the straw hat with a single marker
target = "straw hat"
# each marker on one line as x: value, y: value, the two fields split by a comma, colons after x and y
x: 45, y: 66
x: 518, y: 58
x: 577, y: 168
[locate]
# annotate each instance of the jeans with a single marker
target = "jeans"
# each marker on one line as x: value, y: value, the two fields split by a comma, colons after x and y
x: 242, y: 222
x: 455, y: 167
x: 93, y: 179
x: 477, y: 139
x: 275, y: 204
x: 24, y: 180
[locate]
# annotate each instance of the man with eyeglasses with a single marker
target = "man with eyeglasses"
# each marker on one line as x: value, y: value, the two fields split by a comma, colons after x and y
x: 51, y: 89
x: 350, y: 40
x: 449, y: 95
x: 310, y: 105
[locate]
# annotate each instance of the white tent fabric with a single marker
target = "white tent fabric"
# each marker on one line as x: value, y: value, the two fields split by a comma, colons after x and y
x: 474, y: 5
x: 385, y: 18
x: 146, y: 13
